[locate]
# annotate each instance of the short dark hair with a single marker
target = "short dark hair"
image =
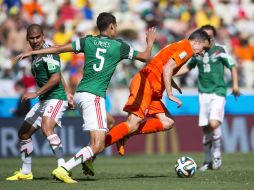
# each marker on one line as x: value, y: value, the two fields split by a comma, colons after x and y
x: 209, y: 27
x: 33, y: 27
x: 199, y: 35
x: 104, y: 20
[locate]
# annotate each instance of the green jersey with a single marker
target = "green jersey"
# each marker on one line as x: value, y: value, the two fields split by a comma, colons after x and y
x: 43, y: 66
x: 211, y: 70
x: 102, y: 54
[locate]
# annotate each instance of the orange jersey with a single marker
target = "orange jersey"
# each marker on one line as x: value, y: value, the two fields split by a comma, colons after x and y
x: 180, y: 51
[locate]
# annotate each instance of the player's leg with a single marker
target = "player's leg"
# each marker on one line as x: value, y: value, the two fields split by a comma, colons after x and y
x: 52, y: 114
x: 136, y: 106
x: 215, y: 120
x: 204, y: 110
x: 207, y: 146
x: 162, y: 120
x: 87, y: 166
x: 26, y: 148
x: 28, y: 127
x: 92, y: 109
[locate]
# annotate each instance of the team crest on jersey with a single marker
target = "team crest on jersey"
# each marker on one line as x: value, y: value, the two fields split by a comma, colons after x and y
x: 183, y: 55
x: 51, y: 66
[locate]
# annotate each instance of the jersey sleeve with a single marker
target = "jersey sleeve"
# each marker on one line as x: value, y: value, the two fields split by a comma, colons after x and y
x: 227, y: 60
x: 179, y: 57
x: 79, y: 45
x: 52, y: 63
x: 127, y: 52
x: 191, y: 63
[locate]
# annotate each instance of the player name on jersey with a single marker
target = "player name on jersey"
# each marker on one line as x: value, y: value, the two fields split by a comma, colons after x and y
x: 101, y: 43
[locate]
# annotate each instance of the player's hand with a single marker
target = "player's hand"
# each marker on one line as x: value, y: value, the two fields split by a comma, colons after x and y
x: 150, y: 35
x: 175, y: 86
x: 21, y: 56
x: 70, y: 101
x: 29, y: 95
x: 176, y: 100
x: 236, y: 93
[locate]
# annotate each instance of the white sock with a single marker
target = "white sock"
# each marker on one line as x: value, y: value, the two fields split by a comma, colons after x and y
x: 56, y: 146
x: 216, y: 143
x: 60, y: 162
x: 26, y: 168
x: 26, y: 148
x: 83, y: 155
x: 207, y: 144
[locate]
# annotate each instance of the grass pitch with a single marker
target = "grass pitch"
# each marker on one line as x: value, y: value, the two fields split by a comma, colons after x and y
x: 153, y: 172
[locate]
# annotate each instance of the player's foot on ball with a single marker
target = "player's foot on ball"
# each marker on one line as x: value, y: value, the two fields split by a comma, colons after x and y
x: 87, y: 167
x: 216, y: 163
x: 205, y: 166
x: 63, y: 175
x: 18, y: 175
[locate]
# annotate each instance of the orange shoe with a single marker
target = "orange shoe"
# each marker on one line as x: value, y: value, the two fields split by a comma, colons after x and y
x: 120, y: 147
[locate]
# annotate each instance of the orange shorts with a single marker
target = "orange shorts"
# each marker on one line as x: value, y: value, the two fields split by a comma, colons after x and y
x: 141, y: 101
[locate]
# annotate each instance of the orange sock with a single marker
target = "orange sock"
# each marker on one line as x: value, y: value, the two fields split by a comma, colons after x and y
x: 150, y: 126
x: 116, y: 133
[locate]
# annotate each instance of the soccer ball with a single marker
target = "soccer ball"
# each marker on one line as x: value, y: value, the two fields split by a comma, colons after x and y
x: 185, y: 167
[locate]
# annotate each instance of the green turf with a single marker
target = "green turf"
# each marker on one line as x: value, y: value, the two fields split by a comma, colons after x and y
x: 137, y: 173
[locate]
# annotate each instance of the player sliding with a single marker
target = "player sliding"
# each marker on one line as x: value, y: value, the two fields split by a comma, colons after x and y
x: 48, y: 112
x: 102, y: 53
x: 147, y: 87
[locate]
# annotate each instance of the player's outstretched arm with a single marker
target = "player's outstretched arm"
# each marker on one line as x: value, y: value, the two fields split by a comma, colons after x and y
x: 167, y: 77
x: 50, y: 50
x: 150, y: 37
x: 235, y: 89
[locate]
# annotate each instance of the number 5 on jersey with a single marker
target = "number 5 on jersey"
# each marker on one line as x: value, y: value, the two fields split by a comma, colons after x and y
x: 101, y: 58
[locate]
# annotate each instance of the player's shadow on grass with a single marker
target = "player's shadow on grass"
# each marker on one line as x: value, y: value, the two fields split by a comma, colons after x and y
x: 141, y: 176
x: 43, y: 178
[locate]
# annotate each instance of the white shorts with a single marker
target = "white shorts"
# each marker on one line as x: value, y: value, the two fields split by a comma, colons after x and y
x: 211, y: 107
x: 50, y: 108
x: 93, y: 111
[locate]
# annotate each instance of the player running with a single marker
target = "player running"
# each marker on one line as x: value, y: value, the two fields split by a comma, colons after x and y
x: 47, y: 113
x: 102, y: 53
x: 212, y: 91
x: 148, y: 85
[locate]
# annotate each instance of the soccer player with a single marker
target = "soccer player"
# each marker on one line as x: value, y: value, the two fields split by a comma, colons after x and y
x: 102, y: 53
x: 212, y: 92
x: 148, y: 85
x: 47, y: 113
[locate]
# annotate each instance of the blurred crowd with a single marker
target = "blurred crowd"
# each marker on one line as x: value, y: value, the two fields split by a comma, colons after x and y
x: 65, y: 20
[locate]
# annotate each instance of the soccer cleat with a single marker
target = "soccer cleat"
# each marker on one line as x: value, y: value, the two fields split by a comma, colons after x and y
x: 61, y: 174
x: 87, y: 167
x: 205, y: 166
x: 120, y: 147
x: 216, y: 163
x: 18, y: 175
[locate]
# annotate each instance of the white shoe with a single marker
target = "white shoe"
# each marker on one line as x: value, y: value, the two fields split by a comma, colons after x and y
x: 205, y: 166
x: 216, y: 163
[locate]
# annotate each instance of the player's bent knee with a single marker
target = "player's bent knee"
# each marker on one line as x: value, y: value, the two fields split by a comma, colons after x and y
x: 168, y: 124
x: 23, y: 136
x: 47, y: 130
x: 214, y: 124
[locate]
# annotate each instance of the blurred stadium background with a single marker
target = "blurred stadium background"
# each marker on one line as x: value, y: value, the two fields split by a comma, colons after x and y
x: 66, y: 20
